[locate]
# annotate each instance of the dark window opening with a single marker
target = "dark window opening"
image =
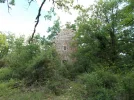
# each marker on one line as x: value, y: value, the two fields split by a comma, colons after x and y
x: 65, y: 48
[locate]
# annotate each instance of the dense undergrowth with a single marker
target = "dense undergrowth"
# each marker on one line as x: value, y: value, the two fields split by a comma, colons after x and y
x: 33, y: 71
x: 104, y: 65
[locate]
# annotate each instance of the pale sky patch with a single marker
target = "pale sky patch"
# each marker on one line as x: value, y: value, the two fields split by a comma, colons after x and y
x: 21, y: 18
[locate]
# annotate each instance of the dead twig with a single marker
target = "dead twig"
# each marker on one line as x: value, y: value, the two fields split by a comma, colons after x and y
x: 30, y: 1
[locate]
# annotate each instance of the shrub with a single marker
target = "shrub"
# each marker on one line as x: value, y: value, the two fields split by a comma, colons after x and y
x: 76, y: 91
x: 42, y: 68
x: 100, y: 85
x: 5, y: 74
x: 128, y: 86
x: 19, y: 59
x: 39, y: 71
x: 7, y: 88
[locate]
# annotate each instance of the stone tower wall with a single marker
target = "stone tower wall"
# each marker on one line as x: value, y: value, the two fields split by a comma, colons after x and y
x: 63, y: 44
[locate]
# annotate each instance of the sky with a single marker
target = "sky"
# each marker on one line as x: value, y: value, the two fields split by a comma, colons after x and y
x: 21, y: 19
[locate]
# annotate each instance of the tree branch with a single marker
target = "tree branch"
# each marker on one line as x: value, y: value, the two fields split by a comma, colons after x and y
x: 8, y: 6
x: 30, y: 1
x: 37, y: 18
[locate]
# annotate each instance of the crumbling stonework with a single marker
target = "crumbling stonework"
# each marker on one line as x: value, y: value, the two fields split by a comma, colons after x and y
x: 63, y: 42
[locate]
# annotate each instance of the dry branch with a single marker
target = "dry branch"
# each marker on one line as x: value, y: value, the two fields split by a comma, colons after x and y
x: 38, y: 18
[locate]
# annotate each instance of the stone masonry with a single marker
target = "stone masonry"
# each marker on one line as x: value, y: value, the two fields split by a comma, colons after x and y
x: 63, y: 44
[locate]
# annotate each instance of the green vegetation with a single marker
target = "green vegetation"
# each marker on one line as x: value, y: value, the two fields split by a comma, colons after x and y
x: 104, y: 66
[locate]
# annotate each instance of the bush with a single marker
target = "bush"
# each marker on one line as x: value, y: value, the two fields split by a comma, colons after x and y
x: 5, y: 74
x: 68, y: 71
x: 45, y: 71
x: 7, y: 88
x: 76, y: 91
x: 38, y: 71
x: 128, y: 86
x: 100, y: 85
x: 42, y: 68
x: 20, y: 57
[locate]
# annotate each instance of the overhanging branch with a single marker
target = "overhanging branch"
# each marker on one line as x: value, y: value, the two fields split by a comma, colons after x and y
x: 38, y: 18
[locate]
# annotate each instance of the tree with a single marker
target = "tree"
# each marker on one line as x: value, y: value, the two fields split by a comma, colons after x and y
x: 3, y: 45
x: 104, y: 33
x: 54, y: 29
x: 26, y: 60
x: 70, y: 26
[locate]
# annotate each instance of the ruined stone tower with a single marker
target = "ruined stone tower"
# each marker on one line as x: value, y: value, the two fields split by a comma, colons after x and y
x: 63, y: 46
